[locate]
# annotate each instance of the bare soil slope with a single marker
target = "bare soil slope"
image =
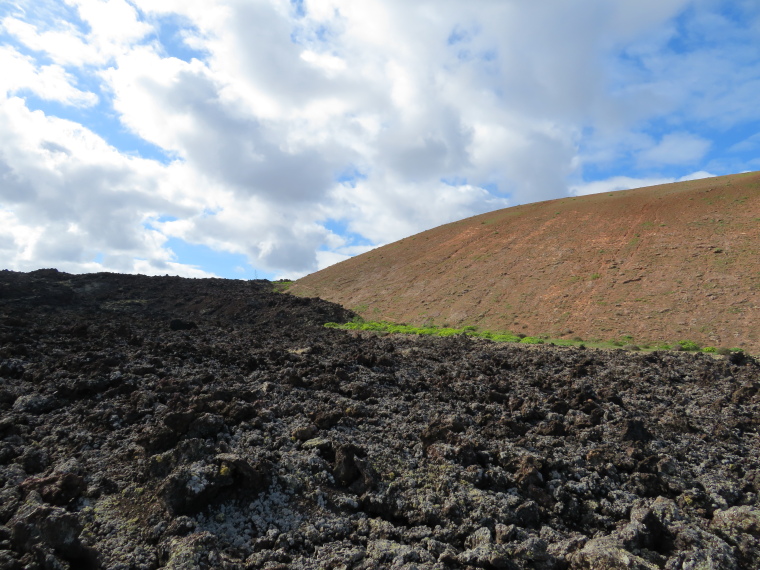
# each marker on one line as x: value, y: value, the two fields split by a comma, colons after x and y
x: 663, y: 263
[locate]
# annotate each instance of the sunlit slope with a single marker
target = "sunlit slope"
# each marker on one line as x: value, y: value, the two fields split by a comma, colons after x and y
x: 672, y: 262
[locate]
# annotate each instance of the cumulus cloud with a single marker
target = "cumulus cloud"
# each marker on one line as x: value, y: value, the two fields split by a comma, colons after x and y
x: 627, y: 183
x: 105, y: 28
x: 676, y: 148
x: 276, y: 120
x: 50, y: 82
x: 68, y: 197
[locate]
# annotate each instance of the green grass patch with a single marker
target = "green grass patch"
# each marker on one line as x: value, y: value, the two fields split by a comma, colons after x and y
x: 282, y: 285
x: 430, y: 330
x: 625, y: 342
x: 689, y: 345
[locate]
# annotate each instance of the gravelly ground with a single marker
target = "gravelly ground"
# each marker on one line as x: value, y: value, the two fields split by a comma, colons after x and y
x: 172, y: 423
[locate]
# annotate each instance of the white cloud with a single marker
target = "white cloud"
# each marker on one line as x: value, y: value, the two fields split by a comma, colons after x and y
x: 351, y: 111
x: 387, y: 208
x: 113, y: 27
x: 751, y: 144
x: 145, y: 267
x: 627, y: 183
x: 676, y: 148
x: 111, y: 21
x: 700, y: 174
x: 50, y: 82
x: 66, y: 197
x: 64, y: 46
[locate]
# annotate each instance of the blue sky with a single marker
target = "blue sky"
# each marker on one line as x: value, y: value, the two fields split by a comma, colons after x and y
x: 272, y: 138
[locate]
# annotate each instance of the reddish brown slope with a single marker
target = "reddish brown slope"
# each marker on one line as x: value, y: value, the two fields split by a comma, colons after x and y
x: 671, y: 262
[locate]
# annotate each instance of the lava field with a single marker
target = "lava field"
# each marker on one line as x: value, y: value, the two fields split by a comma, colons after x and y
x: 161, y: 422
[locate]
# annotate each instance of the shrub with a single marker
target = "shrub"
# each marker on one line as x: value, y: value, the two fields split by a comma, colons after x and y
x: 448, y: 332
x: 373, y: 326
x: 505, y: 338
x: 709, y: 349
x: 688, y: 345
x: 531, y: 340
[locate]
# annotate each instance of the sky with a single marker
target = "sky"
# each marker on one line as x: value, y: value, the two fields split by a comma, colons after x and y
x: 272, y: 138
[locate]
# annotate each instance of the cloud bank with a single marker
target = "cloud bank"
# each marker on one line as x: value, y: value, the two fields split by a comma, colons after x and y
x: 201, y: 137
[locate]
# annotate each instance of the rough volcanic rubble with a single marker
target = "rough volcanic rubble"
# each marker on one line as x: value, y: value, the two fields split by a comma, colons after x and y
x: 173, y: 423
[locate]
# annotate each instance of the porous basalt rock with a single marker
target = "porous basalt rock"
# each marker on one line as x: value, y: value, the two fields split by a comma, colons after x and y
x: 250, y: 436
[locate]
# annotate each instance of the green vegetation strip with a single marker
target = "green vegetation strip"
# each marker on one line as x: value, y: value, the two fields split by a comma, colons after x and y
x: 386, y: 327
x: 282, y: 285
x: 626, y: 342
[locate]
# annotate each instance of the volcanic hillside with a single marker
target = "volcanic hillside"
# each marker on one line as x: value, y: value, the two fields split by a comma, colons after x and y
x: 663, y: 263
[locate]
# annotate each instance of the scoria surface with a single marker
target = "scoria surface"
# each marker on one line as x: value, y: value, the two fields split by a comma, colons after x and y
x: 171, y: 423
